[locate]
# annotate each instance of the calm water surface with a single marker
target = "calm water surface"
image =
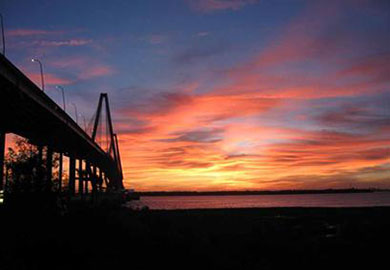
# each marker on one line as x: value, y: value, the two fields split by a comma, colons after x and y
x: 253, y: 201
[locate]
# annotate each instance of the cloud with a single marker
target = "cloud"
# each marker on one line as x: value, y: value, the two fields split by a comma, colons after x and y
x: 376, y: 67
x: 60, y: 43
x: 202, y: 34
x: 366, y: 177
x: 312, y: 58
x: 96, y: 71
x: 173, y: 110
x: 185, y: 164
x: 235, y: 155
x: 158, y: 104
x: 208, y: 6
x: 354, y: 116
x: 70, y: 62
x: 202, y: 136
x: 154, y: 39
x: 50, y: 79
x: 325, y: 151
x: 200, y: 52
x: 31, y: 32
x: 300, y: 112
x: 84, y: 67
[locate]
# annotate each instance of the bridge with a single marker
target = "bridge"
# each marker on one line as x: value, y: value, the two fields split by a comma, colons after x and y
x: 27, y: 111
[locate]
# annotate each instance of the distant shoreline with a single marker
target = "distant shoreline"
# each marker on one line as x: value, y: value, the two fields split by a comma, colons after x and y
x: 262, y: 192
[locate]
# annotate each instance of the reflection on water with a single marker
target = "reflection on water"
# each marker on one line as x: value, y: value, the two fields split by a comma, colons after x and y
x: 253, y: 201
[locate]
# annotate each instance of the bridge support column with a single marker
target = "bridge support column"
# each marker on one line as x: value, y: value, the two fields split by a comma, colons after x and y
x: 100, y: 180
x: 106, y: 180
x: 2, y: 150
x: 49, y: 166
x: 87, y: 171
x: 72, y: 175
x: 40, y: 163
x: 81, y: 193
x: 86, y: 190
x: 94, y: 183
x: 60, y: 173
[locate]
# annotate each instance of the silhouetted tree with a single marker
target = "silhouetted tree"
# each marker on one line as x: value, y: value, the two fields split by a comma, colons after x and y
x: 25, y: 173
x: 22, y: 163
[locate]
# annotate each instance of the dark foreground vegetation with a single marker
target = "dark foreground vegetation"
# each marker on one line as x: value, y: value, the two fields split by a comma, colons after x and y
x: 282, y: 238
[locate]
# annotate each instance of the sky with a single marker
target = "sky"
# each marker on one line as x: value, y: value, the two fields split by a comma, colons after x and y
x: 222, y: 94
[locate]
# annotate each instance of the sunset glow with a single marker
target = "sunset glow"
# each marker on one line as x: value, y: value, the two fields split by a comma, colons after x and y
x: 223, y: 94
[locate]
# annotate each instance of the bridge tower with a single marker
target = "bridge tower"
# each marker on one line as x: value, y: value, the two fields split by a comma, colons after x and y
x: 109, y: 143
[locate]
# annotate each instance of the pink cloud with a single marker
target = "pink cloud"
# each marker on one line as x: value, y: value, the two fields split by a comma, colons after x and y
x: 30, y: 32
x: 276, y: 70
x: 214, y: 5
x: 96, y: 71
x: 85, y: 67
x: 50, y: 79
x: 70, y: 62
x: 375, y: 66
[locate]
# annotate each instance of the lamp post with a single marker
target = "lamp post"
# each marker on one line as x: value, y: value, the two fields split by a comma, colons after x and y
x: 85, y: 122
x: 41, y: 68
x: 75, y: 112
x: 2, y: 32
x: 63, y: 95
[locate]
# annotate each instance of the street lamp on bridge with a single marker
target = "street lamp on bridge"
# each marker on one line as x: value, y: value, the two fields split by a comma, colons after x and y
x: 2, y: 32
x: 85, y: 122
x: 41, y: 69
x: 63, y: 95
x: 75, y: 112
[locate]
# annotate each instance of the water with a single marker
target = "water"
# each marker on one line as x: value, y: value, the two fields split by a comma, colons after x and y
x: 256, y: 201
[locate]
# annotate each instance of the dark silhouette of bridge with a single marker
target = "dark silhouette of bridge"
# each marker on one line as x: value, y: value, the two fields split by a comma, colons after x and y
x: 27, y: 111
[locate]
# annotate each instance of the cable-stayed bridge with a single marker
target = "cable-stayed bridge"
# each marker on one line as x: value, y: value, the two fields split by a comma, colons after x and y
x: 94, y: 162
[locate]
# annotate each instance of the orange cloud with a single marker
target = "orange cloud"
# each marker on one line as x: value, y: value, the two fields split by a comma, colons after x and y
x: 172, y: 112
x: 275, y: 122
x: 194, y: 144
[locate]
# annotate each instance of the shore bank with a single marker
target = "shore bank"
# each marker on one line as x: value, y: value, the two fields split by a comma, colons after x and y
x: 265, y: 238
